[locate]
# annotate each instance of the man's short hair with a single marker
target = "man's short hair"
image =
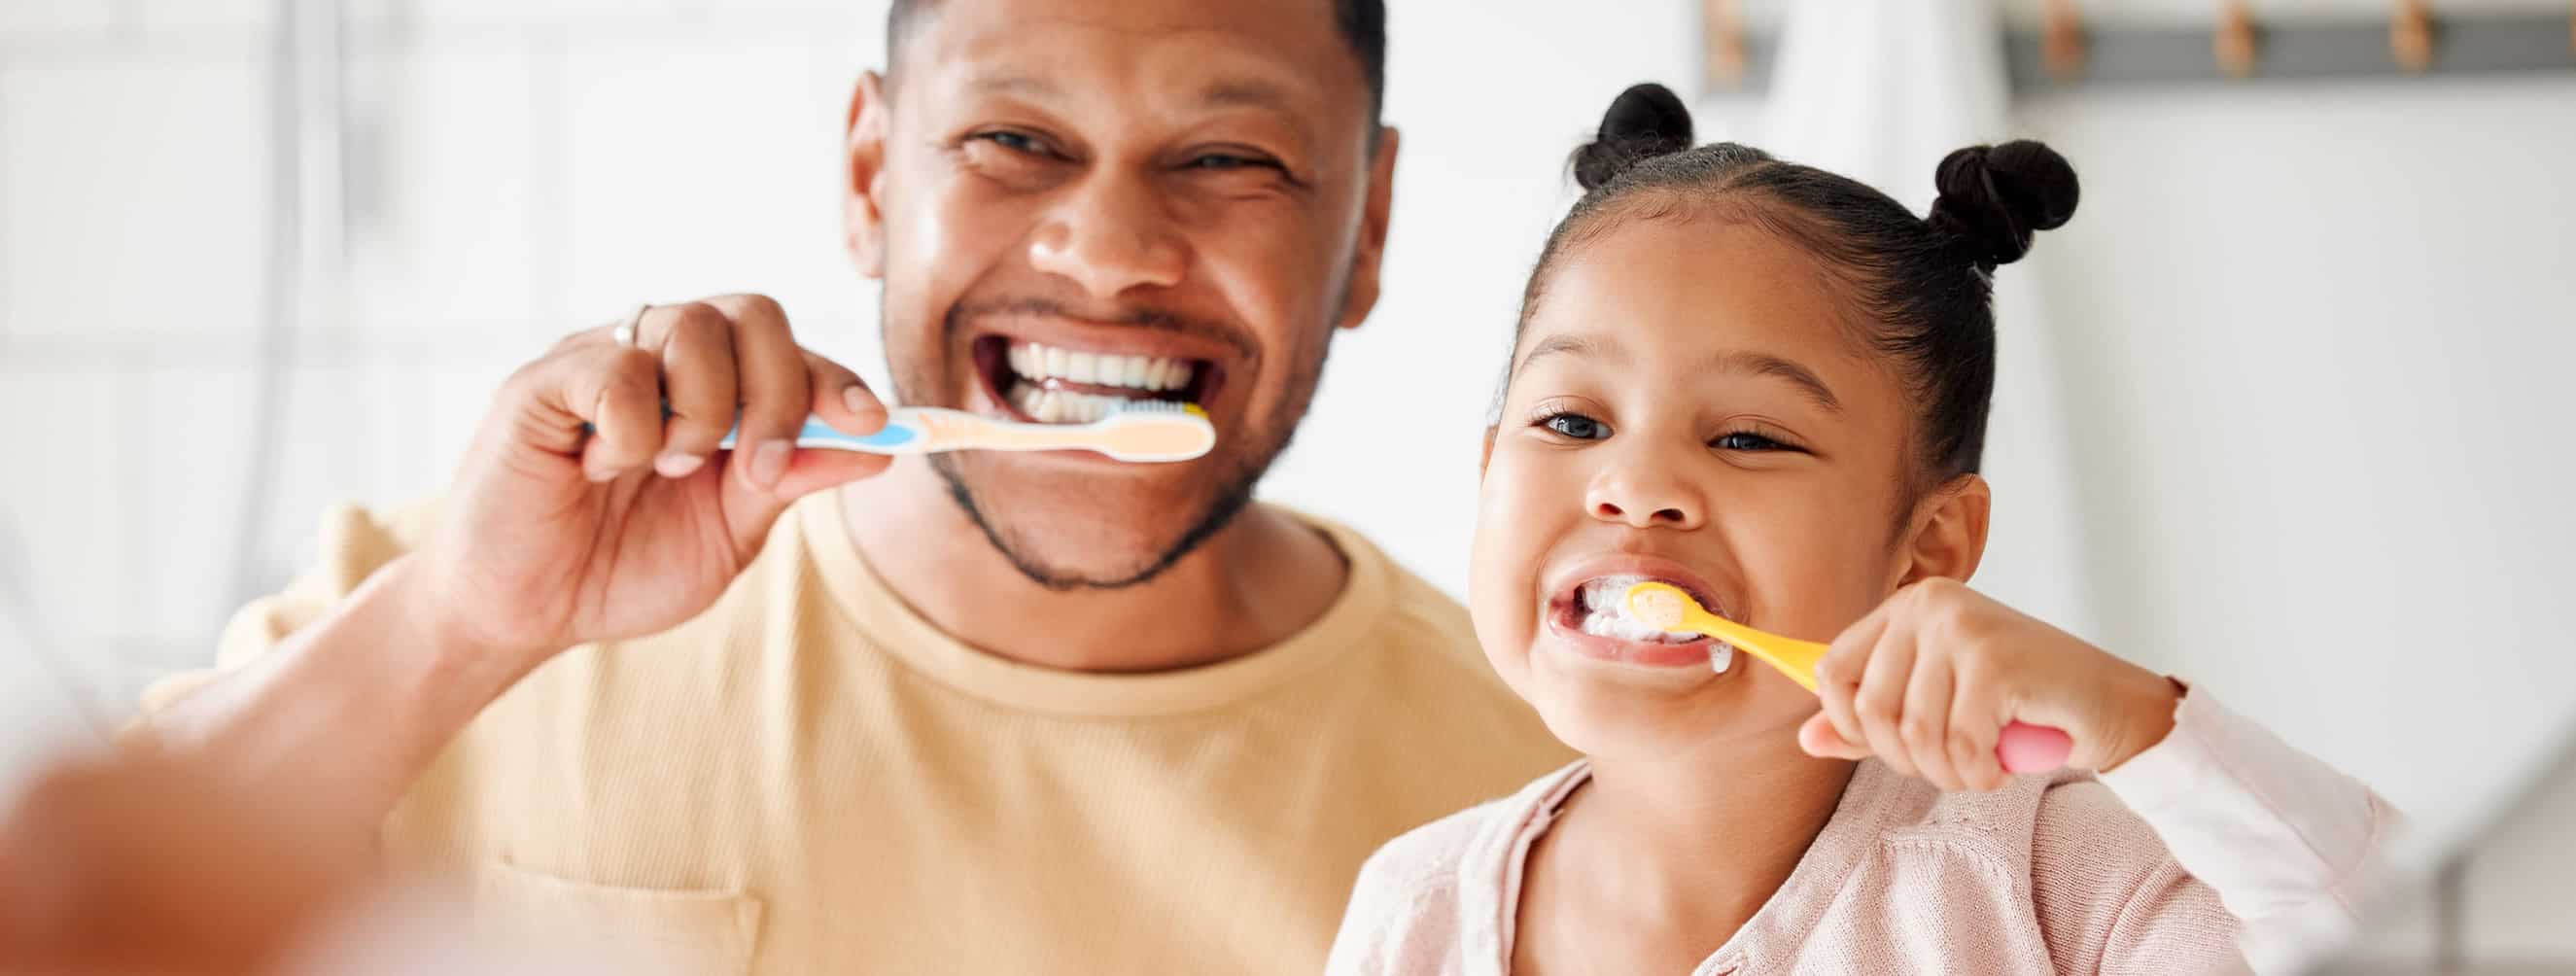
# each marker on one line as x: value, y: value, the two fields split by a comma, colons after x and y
x: 1362, y: 22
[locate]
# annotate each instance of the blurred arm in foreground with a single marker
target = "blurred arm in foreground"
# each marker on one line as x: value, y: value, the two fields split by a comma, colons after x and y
x: 137, y: 863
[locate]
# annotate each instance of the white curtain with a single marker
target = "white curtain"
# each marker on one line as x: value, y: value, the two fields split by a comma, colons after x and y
x: 1880, y: 90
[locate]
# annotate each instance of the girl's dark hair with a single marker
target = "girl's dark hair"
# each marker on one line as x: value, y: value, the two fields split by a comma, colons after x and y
x: 1922, y: 288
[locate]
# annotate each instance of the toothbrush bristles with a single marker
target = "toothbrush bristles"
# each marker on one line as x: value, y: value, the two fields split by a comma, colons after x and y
x: 1656, y: 607
x: 1156, y: 406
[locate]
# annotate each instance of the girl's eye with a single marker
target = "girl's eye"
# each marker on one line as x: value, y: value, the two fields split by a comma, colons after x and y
x: 1576, y: 426
x: 1746, y: 441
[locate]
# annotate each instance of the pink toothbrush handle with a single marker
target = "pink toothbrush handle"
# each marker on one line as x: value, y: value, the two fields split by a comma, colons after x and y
x: 2026, y: 748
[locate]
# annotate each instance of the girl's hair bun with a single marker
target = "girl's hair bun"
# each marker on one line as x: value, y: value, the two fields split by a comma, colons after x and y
x: 1994, y: 197
x: 1645, y: 121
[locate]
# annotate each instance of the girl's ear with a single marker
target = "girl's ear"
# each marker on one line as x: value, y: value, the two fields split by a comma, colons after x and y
x: 1948, y: 535
x: 1485, y: 459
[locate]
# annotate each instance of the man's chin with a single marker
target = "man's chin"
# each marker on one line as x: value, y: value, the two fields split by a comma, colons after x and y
x: 1067, y: 532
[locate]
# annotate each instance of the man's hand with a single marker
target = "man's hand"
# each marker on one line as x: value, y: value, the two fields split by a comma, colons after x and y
x: 584, y: 513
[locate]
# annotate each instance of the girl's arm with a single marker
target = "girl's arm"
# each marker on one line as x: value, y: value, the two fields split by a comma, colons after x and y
x: 2289, y: 845
x: 2292, y: 847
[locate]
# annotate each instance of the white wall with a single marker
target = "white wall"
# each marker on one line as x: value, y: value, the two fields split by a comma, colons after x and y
x: 2316, y: 344
x: 518, y: 170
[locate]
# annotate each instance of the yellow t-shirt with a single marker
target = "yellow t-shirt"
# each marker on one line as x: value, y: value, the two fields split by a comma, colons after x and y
x: 810, y: 777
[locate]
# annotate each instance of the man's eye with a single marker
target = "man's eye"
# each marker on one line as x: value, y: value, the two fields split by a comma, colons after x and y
x: 1576, y: 426
x: 1019, y: 142
x: 1746, y: 441
x: 1229, y: 161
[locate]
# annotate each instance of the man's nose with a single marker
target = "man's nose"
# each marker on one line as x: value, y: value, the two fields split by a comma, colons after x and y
x: 1111, y: 234
x: 1642, y: 493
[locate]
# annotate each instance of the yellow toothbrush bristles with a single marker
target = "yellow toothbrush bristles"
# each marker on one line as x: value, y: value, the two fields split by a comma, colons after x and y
x: 1657, y: 607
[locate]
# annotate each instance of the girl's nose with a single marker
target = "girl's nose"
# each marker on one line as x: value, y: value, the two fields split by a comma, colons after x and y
x: 1646, y: 496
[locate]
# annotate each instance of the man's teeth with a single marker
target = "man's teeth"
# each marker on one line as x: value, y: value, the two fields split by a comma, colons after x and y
x: 1062, y: 406
x: 1036, y: 364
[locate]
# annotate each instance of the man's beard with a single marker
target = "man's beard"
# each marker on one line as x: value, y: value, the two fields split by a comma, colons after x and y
x: 1230, y: 500
x: 1234, y: 491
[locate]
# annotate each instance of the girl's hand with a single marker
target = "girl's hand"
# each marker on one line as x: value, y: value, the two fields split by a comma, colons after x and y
x: 1927, y: 681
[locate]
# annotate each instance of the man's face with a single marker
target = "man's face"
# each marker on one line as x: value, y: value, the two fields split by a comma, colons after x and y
x: 1075, y: 204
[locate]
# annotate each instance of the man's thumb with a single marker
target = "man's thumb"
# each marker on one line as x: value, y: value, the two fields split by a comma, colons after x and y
x: 751, y: 510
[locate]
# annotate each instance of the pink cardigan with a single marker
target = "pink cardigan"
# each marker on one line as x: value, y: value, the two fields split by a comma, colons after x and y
x: 2151, y: 868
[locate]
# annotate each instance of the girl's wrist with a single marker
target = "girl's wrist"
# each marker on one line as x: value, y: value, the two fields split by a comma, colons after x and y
x: 2145, y: 708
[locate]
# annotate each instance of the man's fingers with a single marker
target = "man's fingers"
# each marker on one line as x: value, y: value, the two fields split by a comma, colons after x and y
x: 815, y: 470
x: 776, y: 388
x: 618, y: 391
x: 842, y: 399
x: 698, y: 380
x: 810, y: 471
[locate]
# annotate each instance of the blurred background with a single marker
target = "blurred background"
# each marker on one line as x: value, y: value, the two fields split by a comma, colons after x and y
x: 2284, y: 411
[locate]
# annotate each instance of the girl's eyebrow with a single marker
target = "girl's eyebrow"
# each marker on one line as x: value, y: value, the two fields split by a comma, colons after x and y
x: 1740, y: 361
x: 1765, y: 364
x: 1586, y: 345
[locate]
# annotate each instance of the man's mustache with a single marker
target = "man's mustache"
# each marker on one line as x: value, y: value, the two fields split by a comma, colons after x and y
x: 1130, y: 315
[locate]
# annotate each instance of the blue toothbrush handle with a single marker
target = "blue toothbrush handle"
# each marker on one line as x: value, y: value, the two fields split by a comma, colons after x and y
x: 898, y: 431
x: 816, y: 433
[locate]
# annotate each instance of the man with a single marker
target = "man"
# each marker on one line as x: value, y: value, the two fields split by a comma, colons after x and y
x: 983, y: 713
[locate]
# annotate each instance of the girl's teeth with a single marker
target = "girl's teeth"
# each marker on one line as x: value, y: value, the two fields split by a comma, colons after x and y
x: 1602, y: 624
x: 1605, y: 613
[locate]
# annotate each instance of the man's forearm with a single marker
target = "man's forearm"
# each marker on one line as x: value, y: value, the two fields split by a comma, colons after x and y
x: 344, y: 714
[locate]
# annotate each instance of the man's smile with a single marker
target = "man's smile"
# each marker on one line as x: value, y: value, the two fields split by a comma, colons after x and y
x: 1064, y: 371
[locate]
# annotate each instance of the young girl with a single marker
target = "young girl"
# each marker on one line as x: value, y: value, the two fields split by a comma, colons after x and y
x: 1767, y: 384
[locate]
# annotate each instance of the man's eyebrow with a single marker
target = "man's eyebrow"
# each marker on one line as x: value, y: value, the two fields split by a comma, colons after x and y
x: 1245, y: 93
x: 1765, y: 364
x: 1011, y: 83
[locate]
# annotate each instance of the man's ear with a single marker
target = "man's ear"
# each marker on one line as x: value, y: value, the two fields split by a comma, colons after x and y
x: 862, y: 221
x: 1369, y: 252
x: 1486, y: 459
x: 1949, y: 531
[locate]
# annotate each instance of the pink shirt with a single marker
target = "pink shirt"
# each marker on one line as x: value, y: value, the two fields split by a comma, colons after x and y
x: 2219, y: 844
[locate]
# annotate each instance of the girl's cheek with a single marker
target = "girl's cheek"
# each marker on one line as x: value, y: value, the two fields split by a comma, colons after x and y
x: 1513, y: 536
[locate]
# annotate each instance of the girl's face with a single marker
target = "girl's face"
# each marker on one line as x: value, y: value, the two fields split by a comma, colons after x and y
x: 1688, y: 405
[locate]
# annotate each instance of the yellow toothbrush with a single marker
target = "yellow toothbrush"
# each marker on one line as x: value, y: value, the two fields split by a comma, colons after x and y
x: 2023, y: 748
